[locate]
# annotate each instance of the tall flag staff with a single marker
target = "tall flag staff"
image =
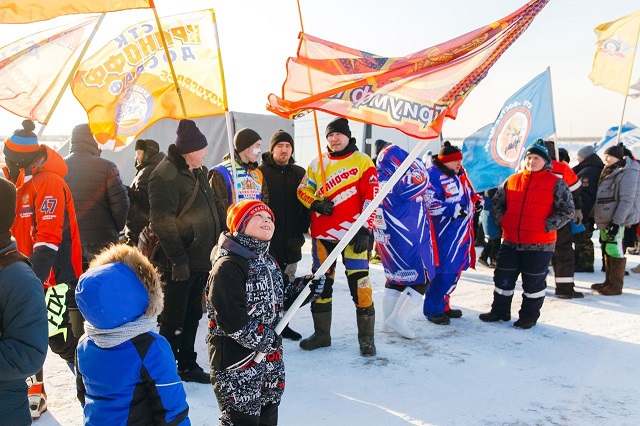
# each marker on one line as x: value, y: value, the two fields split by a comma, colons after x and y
x: 315, y: 116
x: 613, y: 62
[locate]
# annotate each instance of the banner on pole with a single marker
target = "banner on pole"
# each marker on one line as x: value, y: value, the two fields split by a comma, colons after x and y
x: 492, y: 153
x: 629, y: 136
x: 127, y: 85
x: 25, y: 11
x: 413, y: 94
x: 35, y: 69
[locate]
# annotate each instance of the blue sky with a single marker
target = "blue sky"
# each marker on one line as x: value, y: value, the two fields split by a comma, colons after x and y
x: 257, y: 37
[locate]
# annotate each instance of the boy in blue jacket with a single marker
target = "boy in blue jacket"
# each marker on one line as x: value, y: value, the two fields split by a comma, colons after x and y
x: 126, y: 372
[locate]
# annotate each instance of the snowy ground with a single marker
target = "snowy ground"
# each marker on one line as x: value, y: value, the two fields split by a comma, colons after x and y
x: 579, y: 366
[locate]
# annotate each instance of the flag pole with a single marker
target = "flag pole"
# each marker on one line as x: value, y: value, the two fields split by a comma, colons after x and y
x: 626, y: 95
x: 553, y: 113
x: 70, y: 76
x: 315, y: 119
x: 166, y: 52
x: 227, y: 115
x: 344, y: 241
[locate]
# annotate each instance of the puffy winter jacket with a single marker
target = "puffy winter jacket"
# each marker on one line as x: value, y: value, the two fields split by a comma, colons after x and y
x: 190, y: 239
x: 403, y: 229
x: 23, y: 334
x: 46, y: 220
x: 138, y: 216
x: 99, y: 195
x: 616, y: 197
x: 291, y: 217
x: 589, y: 171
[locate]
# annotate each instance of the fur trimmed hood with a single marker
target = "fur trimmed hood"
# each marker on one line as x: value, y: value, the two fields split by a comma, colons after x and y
x: 120, y: 286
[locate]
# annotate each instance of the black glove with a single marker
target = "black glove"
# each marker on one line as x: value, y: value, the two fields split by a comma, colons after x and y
x: 42, y: 260
x: 460, y: 211
x: 324, y: 207
x: 479, y: 205
x: 276, y: 343
x: 180, y: 272
x: 612, y: 230
x: 316, y: 287
x: 360, y: 241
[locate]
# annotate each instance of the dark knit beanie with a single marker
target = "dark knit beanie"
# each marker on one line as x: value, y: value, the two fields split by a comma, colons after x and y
x: 22, y: 144
x: 615, y: 151
x: 449, y: 153
x: 190, y: 138
x: 538, y: 148
x: 380, y: 145
x: 244, y: 138
x: 280, y: 136
x: 7, y: 211
x: 340, y: 125
x: 564, y: 155
x: 141, y: 144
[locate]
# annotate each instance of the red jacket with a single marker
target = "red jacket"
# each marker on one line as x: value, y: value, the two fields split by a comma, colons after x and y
x: 529, y: 199
x: 45, y: 215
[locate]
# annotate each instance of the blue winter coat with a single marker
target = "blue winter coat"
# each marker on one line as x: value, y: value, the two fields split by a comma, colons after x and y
x: 402, y: 230
x: 454, y: 234
x: 23, y: 336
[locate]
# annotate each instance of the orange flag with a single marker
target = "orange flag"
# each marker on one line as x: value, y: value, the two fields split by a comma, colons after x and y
x: 35, y: 69
x: 24, y: 11
x: 413, y: 94
x: 127, y: 85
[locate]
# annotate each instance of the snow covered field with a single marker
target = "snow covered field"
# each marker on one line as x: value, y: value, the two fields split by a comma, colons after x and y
x: 579, y: 366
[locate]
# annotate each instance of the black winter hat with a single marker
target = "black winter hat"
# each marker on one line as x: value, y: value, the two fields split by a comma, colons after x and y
x: 340, y: 125
x: 564, y: 155
x: 244, y: 138
x: 615, y: 151
x: 449, y: 153
x: 141, y: 144
x: 380, y: 145
x: 7, y: 211
x: 281, y: 136
x: 190, y: 138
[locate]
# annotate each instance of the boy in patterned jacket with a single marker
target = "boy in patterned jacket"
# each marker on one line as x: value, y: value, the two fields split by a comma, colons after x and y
x: 246, y: 295
x: 351, y: 184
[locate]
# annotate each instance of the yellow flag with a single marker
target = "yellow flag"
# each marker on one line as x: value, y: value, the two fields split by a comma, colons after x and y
x: 617, y: 43
x: 127, y: 85
x: 24, y: 11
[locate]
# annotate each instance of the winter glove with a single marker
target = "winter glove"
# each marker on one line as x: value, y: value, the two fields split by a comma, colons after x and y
x: 180, y: 272
x: 460, y: 211
x: 276, y: 343
x: 360, y: 241
x: 324, y: 207
x: 316, y: 287
x: 577, y: 217
x: 612, y: 230
x: 42, y: 260
x: 479, y: 205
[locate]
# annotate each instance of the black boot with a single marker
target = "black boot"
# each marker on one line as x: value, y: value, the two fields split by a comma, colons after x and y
x: 566, y: 291
x: 366, y: 319
x: 321, y: 337
x: 290, y: 334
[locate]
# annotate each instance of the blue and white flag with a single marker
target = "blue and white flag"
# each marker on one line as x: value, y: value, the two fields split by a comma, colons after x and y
x: 630, y: 137
x: 492, y: 153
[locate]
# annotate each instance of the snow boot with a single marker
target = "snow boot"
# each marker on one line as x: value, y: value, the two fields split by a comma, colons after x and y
x: 366, y: 320
x: 605, y: 268
x: 453, y: 313
x: 615, y: 270
x: 388, y: 305
x: 441, y: 319
x: 524, y: 324
x: 289, y: 333
x: 321, y: 337
x: 409, y: 300
x: 37, y: 397
x: 493, y: 316
x: 566, y: 291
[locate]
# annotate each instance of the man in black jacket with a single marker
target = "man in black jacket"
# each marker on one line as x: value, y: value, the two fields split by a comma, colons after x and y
x: 588, y: 170
x: 187, y: 232
x: 283, y: 176
x: 148, y: 156
x: 99, y: 195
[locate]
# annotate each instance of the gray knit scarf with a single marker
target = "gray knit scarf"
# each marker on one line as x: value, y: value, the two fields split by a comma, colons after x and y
x: 110, y: 337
